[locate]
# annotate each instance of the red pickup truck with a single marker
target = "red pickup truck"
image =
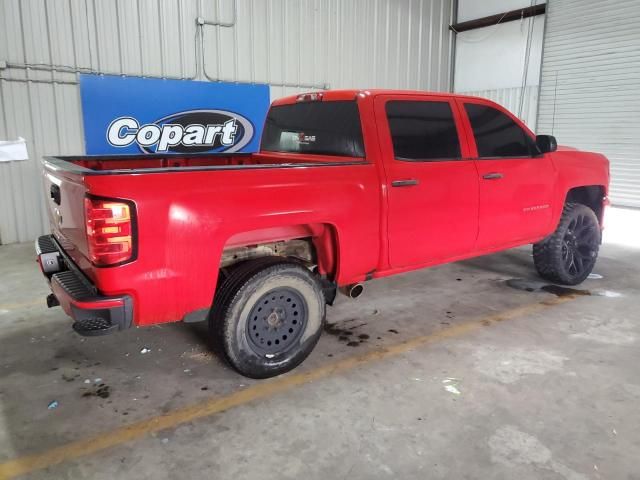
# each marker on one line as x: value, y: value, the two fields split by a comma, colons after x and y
x: 348, y: 186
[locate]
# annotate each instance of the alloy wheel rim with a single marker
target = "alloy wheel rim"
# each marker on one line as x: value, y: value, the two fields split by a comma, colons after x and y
x: 580, y: 245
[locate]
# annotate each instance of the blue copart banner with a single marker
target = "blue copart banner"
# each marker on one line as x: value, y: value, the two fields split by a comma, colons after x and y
x: 128, y: 115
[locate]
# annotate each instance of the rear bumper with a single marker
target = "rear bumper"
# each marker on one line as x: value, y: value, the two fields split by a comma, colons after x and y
x: 77, y: 296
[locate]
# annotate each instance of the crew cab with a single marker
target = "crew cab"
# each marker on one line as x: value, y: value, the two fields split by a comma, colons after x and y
x: 348, y: 186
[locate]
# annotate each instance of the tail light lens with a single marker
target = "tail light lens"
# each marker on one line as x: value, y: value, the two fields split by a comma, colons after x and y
x: 109, y: 231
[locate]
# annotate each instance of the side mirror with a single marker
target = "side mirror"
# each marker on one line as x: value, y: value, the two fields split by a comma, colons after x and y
x: 546, y: 143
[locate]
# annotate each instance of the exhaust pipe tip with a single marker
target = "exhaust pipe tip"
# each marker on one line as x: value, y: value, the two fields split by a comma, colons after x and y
x: 353, y: 291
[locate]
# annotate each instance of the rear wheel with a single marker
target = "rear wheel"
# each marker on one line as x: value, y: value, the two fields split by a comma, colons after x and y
x: 569, y: 254
x: 268, y: 316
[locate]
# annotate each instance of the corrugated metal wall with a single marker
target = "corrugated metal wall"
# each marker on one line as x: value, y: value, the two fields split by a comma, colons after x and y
x: 293, y: 45
x: 590, y: 89
x: 509, y: 98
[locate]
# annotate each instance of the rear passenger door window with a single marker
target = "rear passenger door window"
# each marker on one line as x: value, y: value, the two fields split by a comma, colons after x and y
x: 497, y: 135
x: 422, y: 131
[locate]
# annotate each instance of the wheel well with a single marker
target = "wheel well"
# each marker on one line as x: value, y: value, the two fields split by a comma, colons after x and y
x: 301, y: 249
x: 591, y: 196
x: 317, y: 253
x: 315, y: 245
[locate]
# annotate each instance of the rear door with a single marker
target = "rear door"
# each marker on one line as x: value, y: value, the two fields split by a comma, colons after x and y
x: 432, y: 185
x: 515, y: 180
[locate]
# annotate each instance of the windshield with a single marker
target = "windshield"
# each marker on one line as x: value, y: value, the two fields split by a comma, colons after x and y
x: 323, y: 128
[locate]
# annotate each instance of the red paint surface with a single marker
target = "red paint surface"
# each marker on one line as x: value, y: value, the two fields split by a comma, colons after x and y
x: 359, y: 224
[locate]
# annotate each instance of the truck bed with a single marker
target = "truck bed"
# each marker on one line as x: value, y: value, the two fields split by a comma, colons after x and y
x: 189, y: 209
x: 97, y: 164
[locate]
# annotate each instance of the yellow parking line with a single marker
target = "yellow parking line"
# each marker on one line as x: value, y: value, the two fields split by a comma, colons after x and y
x: 264, y: 389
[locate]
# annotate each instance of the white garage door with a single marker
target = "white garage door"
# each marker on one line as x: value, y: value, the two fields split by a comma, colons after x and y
x: 590, y: 85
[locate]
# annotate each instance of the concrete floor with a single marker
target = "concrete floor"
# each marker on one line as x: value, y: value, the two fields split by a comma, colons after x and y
x: 544, y: 392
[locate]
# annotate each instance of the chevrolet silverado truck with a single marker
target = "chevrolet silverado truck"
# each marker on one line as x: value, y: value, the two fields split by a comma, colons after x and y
x: 348, y: 186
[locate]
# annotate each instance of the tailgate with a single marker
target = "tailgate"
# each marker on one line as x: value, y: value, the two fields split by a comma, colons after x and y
x: 64, y: 195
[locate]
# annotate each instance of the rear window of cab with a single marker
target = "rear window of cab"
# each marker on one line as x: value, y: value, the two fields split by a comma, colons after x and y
x: 322, y: 128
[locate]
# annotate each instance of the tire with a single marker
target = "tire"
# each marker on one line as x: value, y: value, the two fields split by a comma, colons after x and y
x: 569, y: 254
x: 268, y: 316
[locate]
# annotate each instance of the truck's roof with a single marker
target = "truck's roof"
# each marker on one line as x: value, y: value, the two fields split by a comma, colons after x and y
x: 333, y: 95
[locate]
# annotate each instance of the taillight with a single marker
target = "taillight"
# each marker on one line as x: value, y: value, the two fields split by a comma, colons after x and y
x: 109, y: 231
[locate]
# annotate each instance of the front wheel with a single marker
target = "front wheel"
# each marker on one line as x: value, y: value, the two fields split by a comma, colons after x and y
x: 569, y: 254
x: 268, y: 316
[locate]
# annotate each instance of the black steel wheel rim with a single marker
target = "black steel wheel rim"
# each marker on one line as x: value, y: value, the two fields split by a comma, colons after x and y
x: 580, y: 245
x: 277, y: 321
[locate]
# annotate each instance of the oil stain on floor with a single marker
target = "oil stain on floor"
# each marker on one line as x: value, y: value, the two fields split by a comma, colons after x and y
x: 527, y: 285
x: 345, y: 333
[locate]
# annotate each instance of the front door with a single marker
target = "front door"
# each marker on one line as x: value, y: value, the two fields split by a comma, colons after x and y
x: 432, y: 185
x: 516, y: 181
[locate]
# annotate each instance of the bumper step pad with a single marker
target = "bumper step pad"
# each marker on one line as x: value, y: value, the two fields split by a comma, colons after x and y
x: 72, y: 284
x: 92, y: 317
x: 45, y: 244
x: 87, y: 323
x: 93, y: 327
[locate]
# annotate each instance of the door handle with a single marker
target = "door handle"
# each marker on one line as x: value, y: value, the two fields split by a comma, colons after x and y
x: 492, y: 176
x: 405, y: 183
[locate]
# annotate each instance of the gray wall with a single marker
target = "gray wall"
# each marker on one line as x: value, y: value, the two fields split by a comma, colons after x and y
x: 293, y: 45
x: 590, y: 89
